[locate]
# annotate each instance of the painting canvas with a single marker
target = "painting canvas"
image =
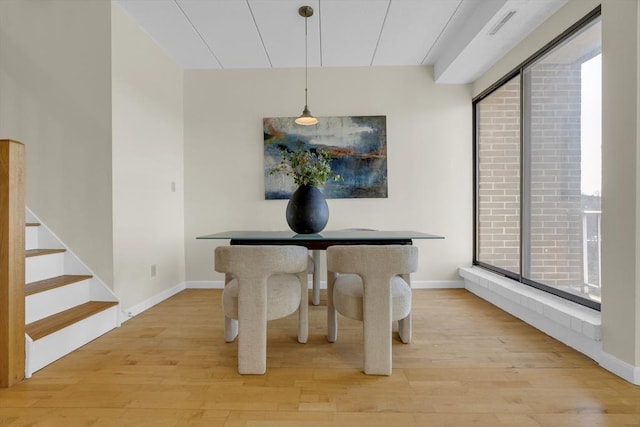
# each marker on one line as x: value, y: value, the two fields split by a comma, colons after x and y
x: 357, y: 146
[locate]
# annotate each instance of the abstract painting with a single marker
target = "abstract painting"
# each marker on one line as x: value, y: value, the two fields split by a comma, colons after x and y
x: 357, y: 146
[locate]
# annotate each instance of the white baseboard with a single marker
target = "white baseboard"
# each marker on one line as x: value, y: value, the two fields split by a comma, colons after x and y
x: 415, y: 284
x: 127, y: 314
x: 577, y: 326
x: 205, y: 284
x: 620, y: 368
x: 437, y: 284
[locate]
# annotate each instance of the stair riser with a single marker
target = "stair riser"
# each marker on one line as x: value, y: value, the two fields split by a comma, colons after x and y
x: 44, y: 267
x: 31, y: 238
x: 40, y: 306
x: 44, y: 304
x: 46, y: 350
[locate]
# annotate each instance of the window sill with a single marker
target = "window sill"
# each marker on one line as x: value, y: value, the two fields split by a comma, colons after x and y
x: 575, y: 325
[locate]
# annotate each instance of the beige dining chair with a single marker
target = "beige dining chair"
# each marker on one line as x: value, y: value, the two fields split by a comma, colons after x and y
x: 261, y: 283
x: 371, y: 283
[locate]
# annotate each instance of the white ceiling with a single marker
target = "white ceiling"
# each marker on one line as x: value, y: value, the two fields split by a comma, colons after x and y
x: 452, y: 35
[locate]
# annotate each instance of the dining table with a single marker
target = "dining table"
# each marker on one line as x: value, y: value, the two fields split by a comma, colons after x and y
x: 320, y: 241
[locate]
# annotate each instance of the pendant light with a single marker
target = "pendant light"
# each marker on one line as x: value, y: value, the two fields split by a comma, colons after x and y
x: 306, y: 118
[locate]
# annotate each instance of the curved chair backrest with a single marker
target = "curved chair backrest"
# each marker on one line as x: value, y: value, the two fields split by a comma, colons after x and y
x: 260, y: 261
x: 373, y: 260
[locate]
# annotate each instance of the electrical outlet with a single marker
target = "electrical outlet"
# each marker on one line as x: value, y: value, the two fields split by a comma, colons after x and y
x: 154, y: 270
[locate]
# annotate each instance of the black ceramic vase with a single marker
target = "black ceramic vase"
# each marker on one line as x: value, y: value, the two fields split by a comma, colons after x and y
x: 307, y: 211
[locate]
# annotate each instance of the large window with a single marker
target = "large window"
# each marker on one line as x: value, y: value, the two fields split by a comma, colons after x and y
x: 538, y: 169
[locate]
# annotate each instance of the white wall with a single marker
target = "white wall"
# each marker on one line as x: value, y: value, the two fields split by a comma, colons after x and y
x: 148, y: 215
x: 55, y: 97
x: 429, y: 156
x: 620, y: 160
x: 621, y: 181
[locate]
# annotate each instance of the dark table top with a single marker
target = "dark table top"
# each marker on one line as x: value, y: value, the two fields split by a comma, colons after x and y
x: 321, y: 240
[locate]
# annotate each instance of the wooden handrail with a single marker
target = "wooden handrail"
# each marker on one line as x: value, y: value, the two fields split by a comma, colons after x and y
x: 12, y: 263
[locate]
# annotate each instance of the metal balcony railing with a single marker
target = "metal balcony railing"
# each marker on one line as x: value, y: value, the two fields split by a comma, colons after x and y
x: 591, y: 250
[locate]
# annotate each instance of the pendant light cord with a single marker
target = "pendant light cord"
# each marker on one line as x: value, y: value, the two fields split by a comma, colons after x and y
x: 306, y: 65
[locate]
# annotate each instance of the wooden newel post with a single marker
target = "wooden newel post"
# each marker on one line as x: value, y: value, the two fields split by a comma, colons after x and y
x: 12, y: 260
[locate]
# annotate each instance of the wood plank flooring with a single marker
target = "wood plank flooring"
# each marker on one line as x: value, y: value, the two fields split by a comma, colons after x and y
x: 470, y: 364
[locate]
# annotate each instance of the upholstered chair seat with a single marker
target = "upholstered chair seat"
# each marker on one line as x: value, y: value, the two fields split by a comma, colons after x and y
x: 283, y: 296
x: 261, y: 283
x: 348, y: 297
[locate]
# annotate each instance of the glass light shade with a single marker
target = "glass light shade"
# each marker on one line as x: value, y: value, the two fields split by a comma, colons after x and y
x: 306, y: 119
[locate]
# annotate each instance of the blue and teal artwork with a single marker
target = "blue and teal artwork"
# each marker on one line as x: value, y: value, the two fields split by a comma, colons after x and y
x: 357, y: 146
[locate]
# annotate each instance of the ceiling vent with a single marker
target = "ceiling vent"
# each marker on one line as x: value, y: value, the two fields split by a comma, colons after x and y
x: 501, y: 23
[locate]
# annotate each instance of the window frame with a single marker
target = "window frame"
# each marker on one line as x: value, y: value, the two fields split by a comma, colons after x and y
x: 524, y: 154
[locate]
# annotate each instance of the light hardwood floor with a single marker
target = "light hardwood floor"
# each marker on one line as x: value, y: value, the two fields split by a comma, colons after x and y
x: 469, y: 364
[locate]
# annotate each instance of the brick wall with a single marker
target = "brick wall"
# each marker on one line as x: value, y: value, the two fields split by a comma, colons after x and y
x: 499, y: 177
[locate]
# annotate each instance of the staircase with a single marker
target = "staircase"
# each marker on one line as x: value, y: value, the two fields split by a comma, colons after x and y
x: 66, y: 307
